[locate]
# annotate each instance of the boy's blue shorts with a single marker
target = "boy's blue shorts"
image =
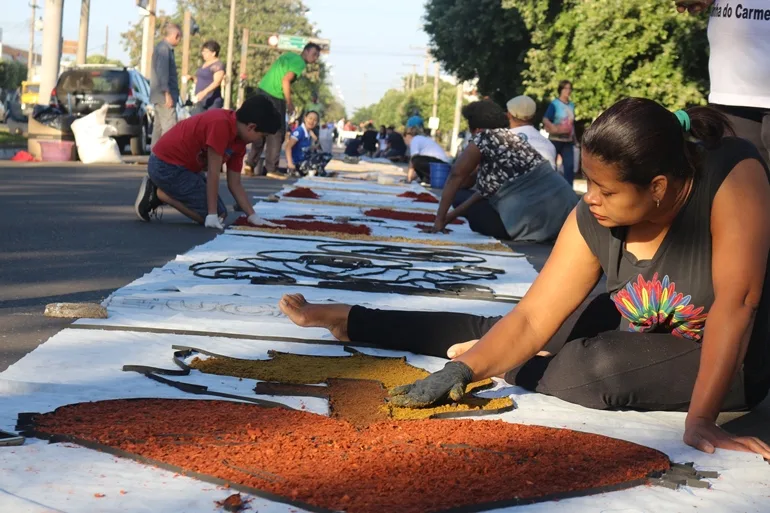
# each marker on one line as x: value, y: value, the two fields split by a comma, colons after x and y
x: 186, y: 187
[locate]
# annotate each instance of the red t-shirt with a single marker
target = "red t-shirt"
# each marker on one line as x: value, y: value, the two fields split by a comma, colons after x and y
x: 187, y: 143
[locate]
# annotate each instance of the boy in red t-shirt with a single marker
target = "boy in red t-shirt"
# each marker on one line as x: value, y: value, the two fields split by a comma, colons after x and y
x: 203, y: 143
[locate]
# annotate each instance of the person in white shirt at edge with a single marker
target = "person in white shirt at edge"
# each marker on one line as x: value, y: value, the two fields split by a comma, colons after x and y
x: 326, y: 137
x: 423, y: 151
x: 521, y: 114
x: 739, y: 64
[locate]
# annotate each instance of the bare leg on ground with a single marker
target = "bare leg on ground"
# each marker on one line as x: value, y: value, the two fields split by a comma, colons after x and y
x: 307, y: 315
x: 165, y: 198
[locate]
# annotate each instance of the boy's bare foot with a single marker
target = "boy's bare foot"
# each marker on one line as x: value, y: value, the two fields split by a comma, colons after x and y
x: 332, y: 317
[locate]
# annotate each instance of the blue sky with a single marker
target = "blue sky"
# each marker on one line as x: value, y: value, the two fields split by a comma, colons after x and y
x: 373, y: 43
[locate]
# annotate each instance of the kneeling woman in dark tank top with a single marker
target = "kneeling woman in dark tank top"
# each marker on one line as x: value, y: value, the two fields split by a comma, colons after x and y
x: 677, y: 215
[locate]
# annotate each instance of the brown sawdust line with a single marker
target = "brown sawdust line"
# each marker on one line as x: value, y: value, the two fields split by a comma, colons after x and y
x: 293, y: 369
x: 356, y: 191
x: 490, y: 246
x: 413, y: 206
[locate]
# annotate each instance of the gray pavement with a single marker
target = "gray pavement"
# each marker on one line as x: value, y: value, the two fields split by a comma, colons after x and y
x: 69, y: 233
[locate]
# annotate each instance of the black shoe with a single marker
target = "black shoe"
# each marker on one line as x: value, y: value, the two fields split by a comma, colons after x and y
x: 146, y: 200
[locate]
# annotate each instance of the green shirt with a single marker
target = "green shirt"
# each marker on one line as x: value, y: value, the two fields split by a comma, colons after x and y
x: 272, y: 81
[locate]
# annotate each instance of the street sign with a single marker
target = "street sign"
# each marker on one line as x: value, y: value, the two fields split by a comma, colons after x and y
x: 433, y: 123
x: 297, y: 43
x: 69, y: 47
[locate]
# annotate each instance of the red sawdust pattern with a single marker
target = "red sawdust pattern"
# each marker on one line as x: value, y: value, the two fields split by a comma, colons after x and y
x: 398, y: 215
x: 422, y: 197
x: 302, y: 192
x: 409, y: 467
x: 312, y: 226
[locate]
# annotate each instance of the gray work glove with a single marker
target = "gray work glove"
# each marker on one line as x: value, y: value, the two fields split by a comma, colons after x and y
x: 449, y: 381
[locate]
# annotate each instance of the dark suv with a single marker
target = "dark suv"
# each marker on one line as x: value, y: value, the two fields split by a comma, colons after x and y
x: 81, y: 90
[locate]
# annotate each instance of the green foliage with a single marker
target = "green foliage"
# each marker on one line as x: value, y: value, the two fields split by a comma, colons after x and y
x: 395, y: 107
x: 12, y: 74
x: 213, y: 18
x: 101, y: 59
x: 479, y: 39
x: 611, y: 49
x: 334, y: 110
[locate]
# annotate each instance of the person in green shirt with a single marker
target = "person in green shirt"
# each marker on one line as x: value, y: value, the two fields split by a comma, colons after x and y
x: 276, y: 86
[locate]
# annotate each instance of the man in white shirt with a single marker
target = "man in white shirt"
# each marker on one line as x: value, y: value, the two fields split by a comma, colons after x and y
x: 739, y: 64
x: 521, y: 113
x: 424, y: 151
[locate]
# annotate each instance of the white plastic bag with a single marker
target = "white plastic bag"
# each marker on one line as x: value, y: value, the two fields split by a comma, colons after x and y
x: 93, y: 138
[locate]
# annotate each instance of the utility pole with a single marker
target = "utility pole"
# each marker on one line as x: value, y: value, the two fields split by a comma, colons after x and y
x: 436, y: 71
x: 425, y: 71
x: 229, y: 70
x: 31, y: 51
x: 85, y: 6
x: 414, y: 74
x: 106, y: 41
x: 185, y: 53
x: 49, y: 72
x: 456, y: 125
x: 242, y: 70
x: 148, y: 38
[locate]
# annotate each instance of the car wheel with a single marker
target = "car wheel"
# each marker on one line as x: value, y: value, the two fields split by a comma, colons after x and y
x: 139, y: 143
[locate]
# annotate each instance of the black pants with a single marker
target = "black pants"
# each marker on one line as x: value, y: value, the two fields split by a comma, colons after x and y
x: 752, y: 124
x: 271, y: 143
x: 593, y: 363
x: 421, y: 165
x: 481, y: 217
x: 567, y: 152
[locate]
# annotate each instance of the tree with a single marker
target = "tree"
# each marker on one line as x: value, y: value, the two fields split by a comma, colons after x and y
x: 395, y: 106
x: 261, y: 17
x: 480, y: 39
x: 101, y: 59
x: 12, y: 73
x: 612, y: 49
x: 335, y: 110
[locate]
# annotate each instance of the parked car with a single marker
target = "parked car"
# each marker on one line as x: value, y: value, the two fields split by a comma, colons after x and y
x: 182, y: 110
x: 81, y: 90
x: 30, y: 91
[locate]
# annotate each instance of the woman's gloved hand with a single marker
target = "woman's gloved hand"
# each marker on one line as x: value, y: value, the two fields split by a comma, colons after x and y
x: 449, y: 381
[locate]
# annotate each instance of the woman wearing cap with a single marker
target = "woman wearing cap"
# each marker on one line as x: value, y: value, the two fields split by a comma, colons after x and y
x: 521, y: 113
x: 517, y: 196
x: 676, y: 217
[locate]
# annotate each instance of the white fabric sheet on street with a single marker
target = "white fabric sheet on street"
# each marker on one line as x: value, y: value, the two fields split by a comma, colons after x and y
x: 363, y: 198
x: 78, y: 365
x: 458, y: 233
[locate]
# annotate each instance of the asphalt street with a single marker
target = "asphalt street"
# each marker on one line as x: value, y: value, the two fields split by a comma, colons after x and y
x: 69, y: 233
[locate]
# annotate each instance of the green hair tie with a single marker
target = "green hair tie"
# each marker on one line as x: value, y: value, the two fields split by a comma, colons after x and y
x: 684, y: 119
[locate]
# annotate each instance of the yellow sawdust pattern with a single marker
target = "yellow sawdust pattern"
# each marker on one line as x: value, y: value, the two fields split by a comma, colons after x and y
x: 492, y: 246
x: 309, y: 370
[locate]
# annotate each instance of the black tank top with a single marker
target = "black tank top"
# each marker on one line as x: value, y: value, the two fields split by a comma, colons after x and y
x: 673, y: 292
